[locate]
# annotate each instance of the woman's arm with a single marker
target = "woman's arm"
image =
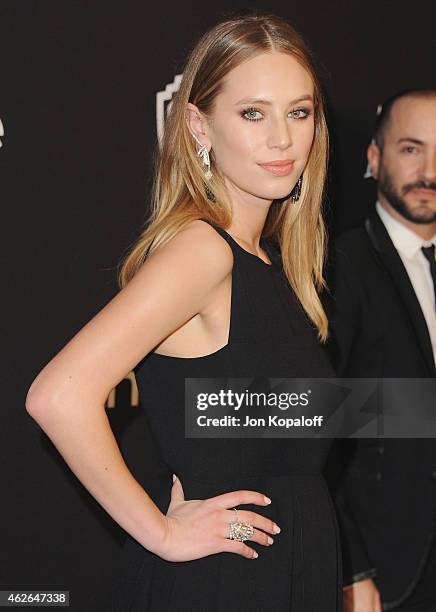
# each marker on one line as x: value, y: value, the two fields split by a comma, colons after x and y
x: 67, y: 398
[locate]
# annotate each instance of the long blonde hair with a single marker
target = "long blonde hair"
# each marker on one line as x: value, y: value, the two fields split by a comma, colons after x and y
x: 179, y: 193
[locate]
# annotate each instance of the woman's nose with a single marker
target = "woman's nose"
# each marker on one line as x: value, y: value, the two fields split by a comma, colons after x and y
x: 280, y: 134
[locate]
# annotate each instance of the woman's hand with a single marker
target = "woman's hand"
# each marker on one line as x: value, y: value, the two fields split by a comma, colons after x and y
x: 200, y: 527
x: 362, y: 596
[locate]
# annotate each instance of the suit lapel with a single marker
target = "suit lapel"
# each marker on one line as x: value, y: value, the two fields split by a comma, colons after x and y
x: 391, y: 260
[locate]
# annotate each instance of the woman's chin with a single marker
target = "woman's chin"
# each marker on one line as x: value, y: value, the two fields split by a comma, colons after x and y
x: 278, y: 194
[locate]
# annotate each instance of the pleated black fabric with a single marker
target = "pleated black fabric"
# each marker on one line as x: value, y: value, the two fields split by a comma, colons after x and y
x: 269, y: 336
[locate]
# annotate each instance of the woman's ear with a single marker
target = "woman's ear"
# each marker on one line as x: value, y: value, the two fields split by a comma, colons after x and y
x: 197, y: 125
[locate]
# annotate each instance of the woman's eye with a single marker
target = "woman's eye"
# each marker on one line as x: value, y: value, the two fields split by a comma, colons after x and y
x: 305, y: 112
x: 249, y: 113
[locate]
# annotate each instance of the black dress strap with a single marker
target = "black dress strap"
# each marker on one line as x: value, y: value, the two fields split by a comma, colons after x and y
x: 222, y: 232
x: 266, y: 244
x: 243, y: 319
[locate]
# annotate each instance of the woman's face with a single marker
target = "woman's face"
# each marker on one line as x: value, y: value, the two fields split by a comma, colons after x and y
x: 265, y: 113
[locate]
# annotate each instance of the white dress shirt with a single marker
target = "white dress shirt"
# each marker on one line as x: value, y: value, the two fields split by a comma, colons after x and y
x: 408, y: 245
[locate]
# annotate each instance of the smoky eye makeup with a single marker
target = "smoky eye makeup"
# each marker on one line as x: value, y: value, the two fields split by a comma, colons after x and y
x: 250, y: 113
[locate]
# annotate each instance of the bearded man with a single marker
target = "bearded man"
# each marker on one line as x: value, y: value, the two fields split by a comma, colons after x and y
x: 383, y: 325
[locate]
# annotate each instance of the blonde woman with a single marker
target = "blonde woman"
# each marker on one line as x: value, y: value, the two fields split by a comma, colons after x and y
x: 223, y: 282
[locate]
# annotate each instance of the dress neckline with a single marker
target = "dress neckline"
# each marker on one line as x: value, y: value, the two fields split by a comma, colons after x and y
x: 264, y: 246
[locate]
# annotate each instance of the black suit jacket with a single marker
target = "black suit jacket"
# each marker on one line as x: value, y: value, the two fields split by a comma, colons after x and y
x: 386, y: 496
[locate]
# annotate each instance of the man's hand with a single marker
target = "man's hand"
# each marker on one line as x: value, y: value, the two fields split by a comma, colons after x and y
x: 362, y: 596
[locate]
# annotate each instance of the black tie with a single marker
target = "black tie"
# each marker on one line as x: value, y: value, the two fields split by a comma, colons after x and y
x: 429, y: 253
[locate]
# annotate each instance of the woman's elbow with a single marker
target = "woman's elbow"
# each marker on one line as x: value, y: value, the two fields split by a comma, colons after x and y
x: 39, y: 400
x: 35, y: 402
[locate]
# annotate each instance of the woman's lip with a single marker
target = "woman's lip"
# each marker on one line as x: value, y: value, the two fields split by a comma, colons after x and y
x: 281, y: 169
x: 278, y: 162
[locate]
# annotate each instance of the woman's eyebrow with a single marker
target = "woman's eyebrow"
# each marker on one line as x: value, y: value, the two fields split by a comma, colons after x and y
x: 263, y: 101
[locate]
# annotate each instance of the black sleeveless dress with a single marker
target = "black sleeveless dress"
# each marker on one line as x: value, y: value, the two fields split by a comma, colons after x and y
x: 270, y: 336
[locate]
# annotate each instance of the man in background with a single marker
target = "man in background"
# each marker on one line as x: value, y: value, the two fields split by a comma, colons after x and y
x: 383, y: 325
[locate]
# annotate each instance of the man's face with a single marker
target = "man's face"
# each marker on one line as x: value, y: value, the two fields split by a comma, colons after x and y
x: 406, y: 166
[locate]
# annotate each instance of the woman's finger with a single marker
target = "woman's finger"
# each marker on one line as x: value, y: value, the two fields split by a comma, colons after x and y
x: 255, y: 519
x: 239, y: 548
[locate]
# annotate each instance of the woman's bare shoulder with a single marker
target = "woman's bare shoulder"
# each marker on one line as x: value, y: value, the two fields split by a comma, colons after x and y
x: 196, y: 245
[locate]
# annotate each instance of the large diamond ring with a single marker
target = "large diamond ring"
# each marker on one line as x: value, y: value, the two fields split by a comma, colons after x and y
x: 240, y: 531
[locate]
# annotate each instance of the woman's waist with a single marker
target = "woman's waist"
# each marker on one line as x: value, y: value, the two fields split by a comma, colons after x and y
x: 216, y: 484
x: 284, y: 489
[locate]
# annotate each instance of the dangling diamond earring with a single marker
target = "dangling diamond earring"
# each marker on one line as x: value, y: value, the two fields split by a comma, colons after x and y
x: 204, y: 154
x: 296, y: 192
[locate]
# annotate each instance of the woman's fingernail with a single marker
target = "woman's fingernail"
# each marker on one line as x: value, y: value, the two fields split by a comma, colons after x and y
x: 255, y: 555
x: 270, y: 540
x: 267, y: 499
x: 276, y: 529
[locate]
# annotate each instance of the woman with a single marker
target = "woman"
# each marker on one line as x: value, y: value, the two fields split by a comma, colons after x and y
x: 206, y: 293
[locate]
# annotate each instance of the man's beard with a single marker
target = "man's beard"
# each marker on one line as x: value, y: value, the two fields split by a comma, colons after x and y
x: 386, y: 187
